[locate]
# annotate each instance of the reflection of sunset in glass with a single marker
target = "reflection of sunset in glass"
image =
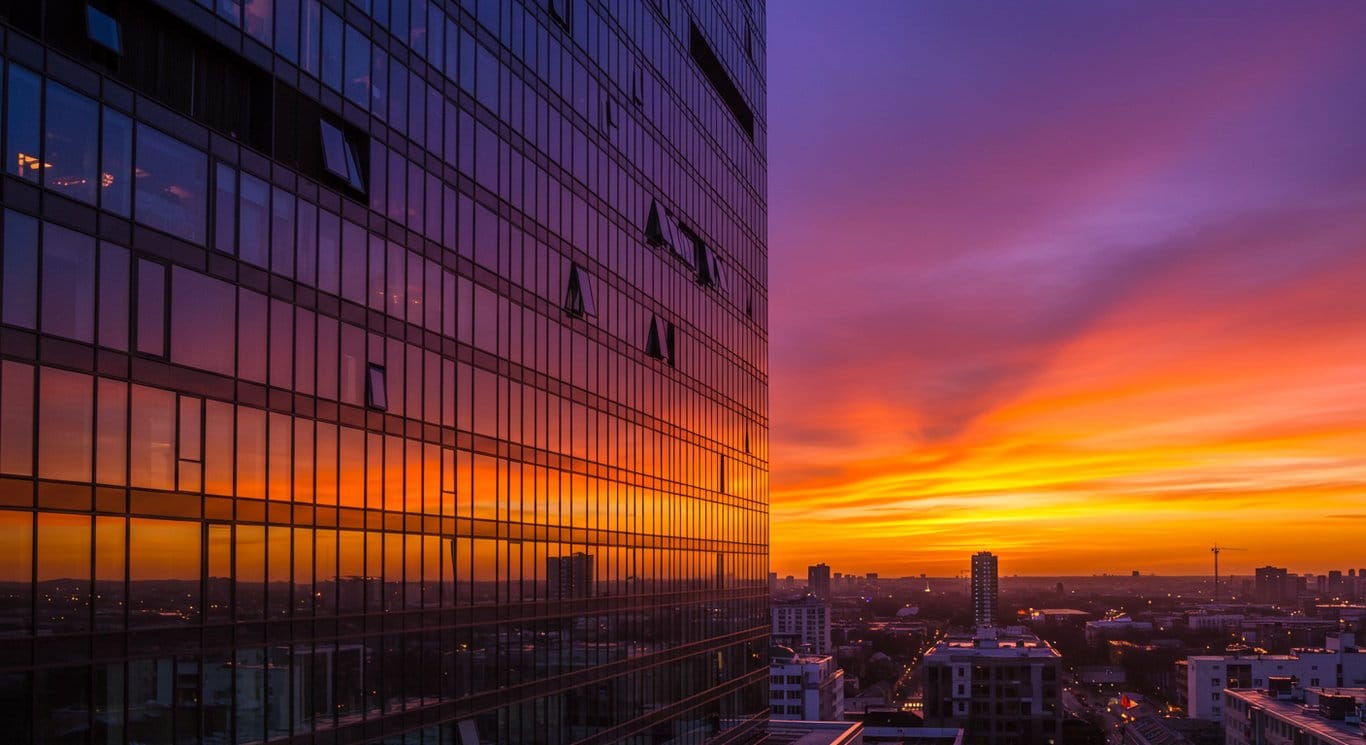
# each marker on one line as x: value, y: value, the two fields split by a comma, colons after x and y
x: 1086, y: 291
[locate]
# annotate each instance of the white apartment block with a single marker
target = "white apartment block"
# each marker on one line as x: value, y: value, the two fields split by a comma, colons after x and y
x: 807, y: 687
x: 803, y: 625
x: 1339, y: 664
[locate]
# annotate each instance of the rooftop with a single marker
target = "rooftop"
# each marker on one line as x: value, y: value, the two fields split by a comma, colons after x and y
x: 1305, y: 716
x: 996, y: 646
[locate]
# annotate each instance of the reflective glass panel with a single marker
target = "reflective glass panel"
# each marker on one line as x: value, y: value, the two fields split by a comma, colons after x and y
x: 19, y: 306
x: 68, y: 283
x: 22, y: 114
x: 172, y: 186
x: 202, y: 321
x: 65, y: 425
x: 116, y: 164
x: 72, y: 143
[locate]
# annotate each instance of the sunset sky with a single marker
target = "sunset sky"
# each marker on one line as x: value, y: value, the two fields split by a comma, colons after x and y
x: 1083, y: 284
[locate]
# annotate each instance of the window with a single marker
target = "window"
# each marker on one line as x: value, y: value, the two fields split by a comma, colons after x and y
x: 578, y: 299
x: 202, y: 321
x: 687, y: 245
x: 710, y: 270
x: 116, y: 163
x: 68, y: 301
x: 172, y: 186
x: 660, y: 344
x: 151, y: 308
x: 71, y: 140
x: 559, y: 11
x: 103, y: 29
x: 22, y: 116
x: 715, y: 73
x: 609, y: 113
x: 376, y: 396
x: 654, y: 226
x: 339, y: 156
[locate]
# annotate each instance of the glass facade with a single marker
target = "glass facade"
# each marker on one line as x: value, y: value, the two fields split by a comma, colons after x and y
x: 383, y: 371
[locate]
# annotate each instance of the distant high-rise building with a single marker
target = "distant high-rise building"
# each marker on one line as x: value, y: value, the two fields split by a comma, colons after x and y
x: 569, y: 577
x: 1273, y: 585
x: 818, y: 581
x: 1337, y: 587
x: 803, y: 625
x: 984, y: 589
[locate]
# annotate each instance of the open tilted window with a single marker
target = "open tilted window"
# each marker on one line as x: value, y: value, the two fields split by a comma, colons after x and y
x: 103, y: 29
x: 578, y: 296
x: 340, y: 157
x: 660, y: 343
x: 376, y: 396
x: 655, y: 225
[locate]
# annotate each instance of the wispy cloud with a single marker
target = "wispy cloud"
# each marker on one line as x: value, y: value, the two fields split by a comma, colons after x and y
x: 1089, y: 281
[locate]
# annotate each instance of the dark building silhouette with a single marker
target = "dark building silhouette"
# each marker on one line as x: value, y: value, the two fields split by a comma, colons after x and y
x: 818, y: 581
x: 382, y: 371
x: 984, y: 589
x: 1274, y: 585
x: 569, y: 576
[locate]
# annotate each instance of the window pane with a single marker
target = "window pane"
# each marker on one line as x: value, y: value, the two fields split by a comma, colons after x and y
x: 332, y: 50
x: 357, y: 68
x: 20, y: 270
x: 63, y: 573
x: 111, y: 457
x: 282, y: 232
x: 253, y: 222
x: 172, y: 186
x: 329, y: 252
x: 256, y: 20
x: 21, y: 119
x: 151, y: 307
x: 65, y: 425
x: 251, y: 453
x: 113, y: 315
x: 71, y: 142
x: 218, y: 446
x: 251, y: 335
x: 151, y: 447
x: 163, y: 571
x: 111, y: 557
x: 309, y: 36
x: 334, y: 150
x: 287, y: 29
x: 116, y: 166
x: 68, y: 283
x: 225, y: 208
x: 202, y: 328
x: 16, y: 572
x: 306, y: 247
x: 16, y: 418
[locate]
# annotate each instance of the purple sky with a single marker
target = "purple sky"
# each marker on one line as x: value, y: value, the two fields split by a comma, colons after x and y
x: 1005, y: 233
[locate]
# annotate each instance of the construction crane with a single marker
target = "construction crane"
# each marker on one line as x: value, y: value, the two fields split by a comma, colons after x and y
x: 1215, y: 550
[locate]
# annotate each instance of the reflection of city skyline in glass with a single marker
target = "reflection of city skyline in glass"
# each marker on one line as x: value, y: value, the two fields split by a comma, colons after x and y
x: 359, y: 396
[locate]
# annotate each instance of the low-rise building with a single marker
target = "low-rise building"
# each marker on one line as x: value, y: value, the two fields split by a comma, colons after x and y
x: 804, y: 686
x: 802, y: 624
x: 1338, y: 664
x: 1000, y: 688
x: 1283, y: 716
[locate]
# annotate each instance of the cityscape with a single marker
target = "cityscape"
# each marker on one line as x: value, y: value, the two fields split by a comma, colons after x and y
x: 682, y: 372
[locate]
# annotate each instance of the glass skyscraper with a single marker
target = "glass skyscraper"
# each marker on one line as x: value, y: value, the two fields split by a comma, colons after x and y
x: 383, y: 371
